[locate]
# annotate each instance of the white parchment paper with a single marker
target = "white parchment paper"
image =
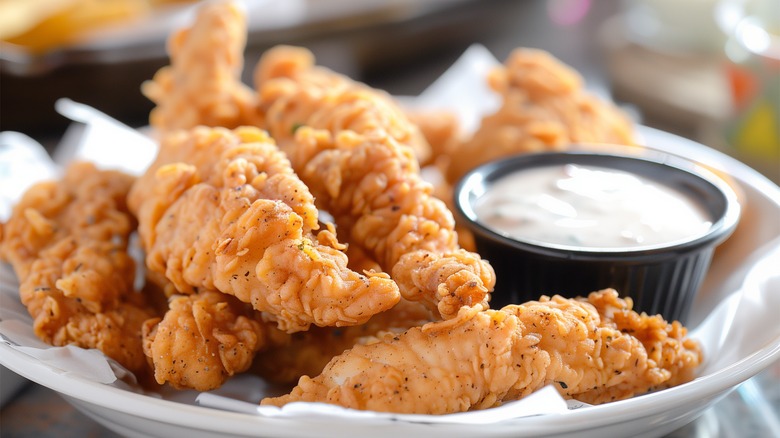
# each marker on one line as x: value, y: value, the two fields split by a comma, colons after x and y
x: 735, y: 325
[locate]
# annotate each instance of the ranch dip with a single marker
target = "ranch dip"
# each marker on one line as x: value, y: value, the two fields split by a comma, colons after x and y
x: 591, y: 207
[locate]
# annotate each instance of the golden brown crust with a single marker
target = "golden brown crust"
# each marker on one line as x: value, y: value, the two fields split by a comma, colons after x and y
x: 483, y: 358
x: 203, y: 340
x: 307, y: 353
x: 293, y: 92
x: 372, y: 186
x: 354, y: 154
x: 202, y: 86
x: 240, y: 221
x: 67, y: 241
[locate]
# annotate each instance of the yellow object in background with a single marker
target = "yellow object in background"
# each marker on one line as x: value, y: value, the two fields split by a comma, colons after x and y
x: 18, y: 16
x: 42, y: 25
x: 757, y: 134
x: 753, y: 70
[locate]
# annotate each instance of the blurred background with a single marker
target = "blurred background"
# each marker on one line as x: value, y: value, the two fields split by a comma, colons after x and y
x: 708, y: 70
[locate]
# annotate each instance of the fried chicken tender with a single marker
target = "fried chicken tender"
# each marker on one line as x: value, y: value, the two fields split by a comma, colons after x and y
x: 202, y: 340
x: 369, y: 180
x: 239, y: 221
x: 293, y: 92
x: 184, y: 158
x: 544, y: 108
x: 307, y: 353
x: 202, y: 86
x: 373, y: 188
x: 67, y: 242
x: 595, y: 350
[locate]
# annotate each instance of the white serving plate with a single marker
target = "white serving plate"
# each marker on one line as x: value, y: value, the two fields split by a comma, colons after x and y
x: 729, y: 317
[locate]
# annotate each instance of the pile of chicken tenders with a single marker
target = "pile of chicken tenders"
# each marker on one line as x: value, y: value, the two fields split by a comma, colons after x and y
x: 382, y: 309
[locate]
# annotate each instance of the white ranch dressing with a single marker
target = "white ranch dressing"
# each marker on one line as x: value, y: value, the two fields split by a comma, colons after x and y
x: 592, y: 207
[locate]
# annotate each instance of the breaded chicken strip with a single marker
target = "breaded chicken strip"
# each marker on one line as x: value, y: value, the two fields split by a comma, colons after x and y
x: 290, y: 356
x: 240, y: 221
x: 372, y: 187
x: 293, y: 92
x: 190, y: 156
x: 307, y: 353
x: 544, y: 108
x: 369, y: 180
x: 203, y: 339
x: 595, y: 350
x: 67, y: 241
x: 202, y: 86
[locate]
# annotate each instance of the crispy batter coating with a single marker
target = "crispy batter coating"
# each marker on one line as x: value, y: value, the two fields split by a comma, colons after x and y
x: 67, y: 241
x: 358, y: 164
x: 242, y: 224
x: 595, y: 350
x: 202, y: 340
x: 293, y: 92
x: 666, y: 343
x: 373, y: 188
x: 184, y: 158
x: 307, y: 353
x: 202, y: 86
x: 289, y: 357
x: 544, y: 108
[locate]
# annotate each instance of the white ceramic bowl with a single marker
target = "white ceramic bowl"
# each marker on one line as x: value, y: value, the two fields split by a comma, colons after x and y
x: 733, y: 317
